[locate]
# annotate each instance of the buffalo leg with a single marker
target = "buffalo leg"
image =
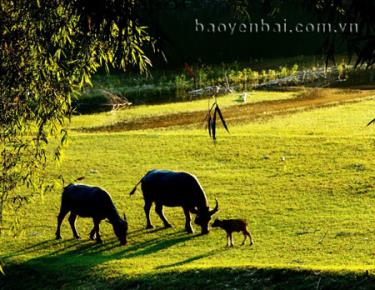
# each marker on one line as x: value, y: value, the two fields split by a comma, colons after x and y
x: 188, y: 226
x: 72, y: 221
x: 159, y: 211
x: 147, y: 212
x: 92, y: 233
x: 231, y: 239
x: 228, y: 240
x: 96, y: 228
x: 60, y: 218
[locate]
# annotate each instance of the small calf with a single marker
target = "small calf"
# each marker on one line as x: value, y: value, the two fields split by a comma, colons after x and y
x: 233, y: 225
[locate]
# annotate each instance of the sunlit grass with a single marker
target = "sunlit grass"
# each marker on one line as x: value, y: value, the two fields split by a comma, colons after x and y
x: 304, y: 182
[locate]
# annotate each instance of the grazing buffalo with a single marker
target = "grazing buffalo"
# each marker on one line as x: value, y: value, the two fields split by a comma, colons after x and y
x: 176, y: 189
x: 88, y: 201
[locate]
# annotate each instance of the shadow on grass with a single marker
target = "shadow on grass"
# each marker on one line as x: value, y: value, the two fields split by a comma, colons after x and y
x: 83, y: 244
x: 249, y: 278
x: 72, y: 264
x: 187, y: 261
x: 65, y: 261
x: 87, y: 247
x: 215, y: 278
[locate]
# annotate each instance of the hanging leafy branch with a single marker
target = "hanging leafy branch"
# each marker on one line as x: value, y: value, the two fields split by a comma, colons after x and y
x: 211, y: 117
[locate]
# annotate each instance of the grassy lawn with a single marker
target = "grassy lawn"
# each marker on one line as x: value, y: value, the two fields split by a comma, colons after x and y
x: 304, y: 182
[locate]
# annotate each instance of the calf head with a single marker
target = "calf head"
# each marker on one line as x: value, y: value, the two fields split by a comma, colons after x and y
x: 204, y: 216
x: 121, y: 229
x: 216, y: 223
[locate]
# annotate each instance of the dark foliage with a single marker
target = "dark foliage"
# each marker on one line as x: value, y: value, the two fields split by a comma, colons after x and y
x: 361, y: 45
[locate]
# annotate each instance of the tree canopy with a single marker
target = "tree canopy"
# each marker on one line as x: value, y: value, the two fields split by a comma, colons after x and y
x: 360, y: 46
x: 49, y: 51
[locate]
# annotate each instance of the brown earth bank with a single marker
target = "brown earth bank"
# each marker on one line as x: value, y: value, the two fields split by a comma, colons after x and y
x: 308, y: 100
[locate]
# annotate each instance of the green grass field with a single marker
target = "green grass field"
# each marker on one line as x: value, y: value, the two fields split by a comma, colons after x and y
x: 304, y: 182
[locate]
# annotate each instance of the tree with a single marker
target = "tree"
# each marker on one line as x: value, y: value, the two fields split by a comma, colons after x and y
x: 49, y: 51
x: 360, y: 45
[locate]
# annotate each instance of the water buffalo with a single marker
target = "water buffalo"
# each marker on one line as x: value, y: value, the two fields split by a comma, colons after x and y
x: 88, y: 201
x: 174, y: 189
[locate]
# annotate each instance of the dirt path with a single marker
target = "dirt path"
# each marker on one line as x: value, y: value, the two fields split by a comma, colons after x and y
x: 245, y: 112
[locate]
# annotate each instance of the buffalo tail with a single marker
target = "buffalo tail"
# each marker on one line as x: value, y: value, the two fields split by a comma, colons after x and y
x: 135, y: 188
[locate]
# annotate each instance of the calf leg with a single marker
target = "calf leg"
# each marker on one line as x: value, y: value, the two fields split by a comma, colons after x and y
x: 159, y: 211
x: 244, y: 237
x: 188, y: 226
x: 147, y: 212
x: 60, y: 218
x: 72, y: 221
x: 247, y: 233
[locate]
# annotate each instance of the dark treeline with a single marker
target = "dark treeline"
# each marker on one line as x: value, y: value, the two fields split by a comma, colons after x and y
x: 186, y: 35
x: 173, y: 23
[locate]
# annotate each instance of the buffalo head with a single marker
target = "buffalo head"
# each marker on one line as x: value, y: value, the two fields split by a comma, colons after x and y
x: 204, y: 216
x: 121, y: 229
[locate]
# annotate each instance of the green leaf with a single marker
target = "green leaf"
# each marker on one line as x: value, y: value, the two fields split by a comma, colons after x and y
x: 88, y: 79
x: 222, y: 118
x: 110, y: 57
x: 214, y: 126
x: 209, y: 125
x: 58, y: 53
x: 64, y: 137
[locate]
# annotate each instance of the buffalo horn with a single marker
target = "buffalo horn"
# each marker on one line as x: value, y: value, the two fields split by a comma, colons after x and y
x: 215, y: 209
